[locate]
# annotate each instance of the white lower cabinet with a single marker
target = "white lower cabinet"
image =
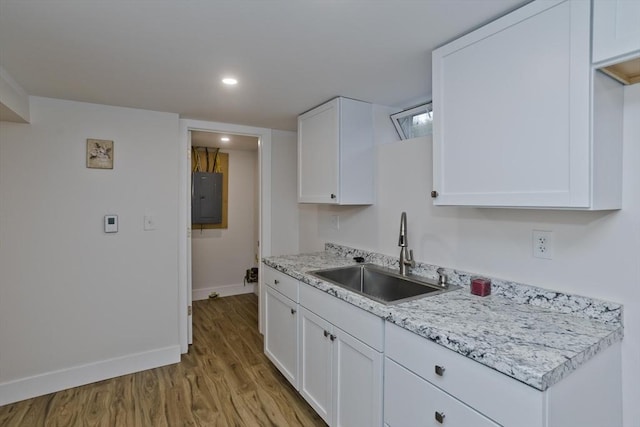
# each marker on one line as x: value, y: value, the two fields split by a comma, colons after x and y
x: 412, y: 401
x: 310, y: 336
x: 340, y: 376
x: 429, y: 385
x: 340, y: 360
x: 281, y: 333
x: 315, y: 363
x: 357, y: 382
x: 334, y: 352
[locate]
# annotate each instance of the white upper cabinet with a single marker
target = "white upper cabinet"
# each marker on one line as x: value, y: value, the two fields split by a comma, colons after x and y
x: 616, y: 30
x: 336, y: 153
x: 520, y: 117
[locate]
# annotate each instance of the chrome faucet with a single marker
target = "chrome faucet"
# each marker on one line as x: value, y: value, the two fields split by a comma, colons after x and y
x: 406, y: 255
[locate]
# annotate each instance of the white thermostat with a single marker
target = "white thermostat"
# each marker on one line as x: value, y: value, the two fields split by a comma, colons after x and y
x: 111, y: 223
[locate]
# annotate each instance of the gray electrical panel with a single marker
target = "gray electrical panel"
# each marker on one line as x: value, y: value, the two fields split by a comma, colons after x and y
x: 206, y: 198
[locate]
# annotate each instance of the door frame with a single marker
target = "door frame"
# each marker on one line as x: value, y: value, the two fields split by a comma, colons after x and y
x: 184, y: 214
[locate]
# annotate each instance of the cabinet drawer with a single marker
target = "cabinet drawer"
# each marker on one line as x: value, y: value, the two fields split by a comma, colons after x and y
x: 503, y: 399
x: 351, y: 319
x: 411, y: 401
x: 286, y: 285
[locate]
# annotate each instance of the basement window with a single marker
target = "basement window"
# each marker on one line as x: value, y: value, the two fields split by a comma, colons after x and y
x: 414, y: 122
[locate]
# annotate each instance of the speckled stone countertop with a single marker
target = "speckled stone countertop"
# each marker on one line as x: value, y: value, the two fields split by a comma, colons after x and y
x: 534, y: 335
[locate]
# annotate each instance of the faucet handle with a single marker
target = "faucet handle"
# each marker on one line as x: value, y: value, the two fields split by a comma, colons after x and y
x: 411, y: 260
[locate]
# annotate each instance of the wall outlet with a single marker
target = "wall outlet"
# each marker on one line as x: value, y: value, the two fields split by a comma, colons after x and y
x: 542, y: 244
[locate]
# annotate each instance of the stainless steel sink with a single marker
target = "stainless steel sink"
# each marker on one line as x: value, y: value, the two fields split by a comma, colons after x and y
x: 381, y: 284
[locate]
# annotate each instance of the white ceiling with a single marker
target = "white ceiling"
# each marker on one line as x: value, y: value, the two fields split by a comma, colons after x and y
x: 289, y: 55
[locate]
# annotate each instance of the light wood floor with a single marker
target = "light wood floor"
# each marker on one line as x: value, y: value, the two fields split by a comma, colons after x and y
x: 225, y: 380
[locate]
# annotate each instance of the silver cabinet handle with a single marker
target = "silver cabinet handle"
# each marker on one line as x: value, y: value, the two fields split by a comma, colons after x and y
x: 293, y: 311
x: 332, y: 337
x: 440, y: 417
x: 326, y: 333
x: 439, y: 370
x: 276, y: 281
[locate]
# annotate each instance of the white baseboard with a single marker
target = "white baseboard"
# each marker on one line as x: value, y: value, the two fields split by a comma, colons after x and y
x: 38, y: 385
x: 223, y: 291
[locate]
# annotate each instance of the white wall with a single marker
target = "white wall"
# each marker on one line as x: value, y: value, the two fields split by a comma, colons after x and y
x: 14, y: 101
x: 284, y: 196
x: 597, y: 254
x: 221, y: 256
x: 78, y: 305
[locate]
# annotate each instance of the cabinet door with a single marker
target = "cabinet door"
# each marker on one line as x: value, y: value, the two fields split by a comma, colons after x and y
x: 511, y: 111
x: 281, y: 334
x: 616, y: 30
x: 318, y: 149
x: 357, y: 382
x: 411, y: 401
x: 315, y: 362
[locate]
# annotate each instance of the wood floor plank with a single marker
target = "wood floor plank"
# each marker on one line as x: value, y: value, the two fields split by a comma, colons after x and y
x: 225, y: 380
x: 122, y: 395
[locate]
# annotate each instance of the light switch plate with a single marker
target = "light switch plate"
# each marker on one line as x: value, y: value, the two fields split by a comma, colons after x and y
x: 149, y: 223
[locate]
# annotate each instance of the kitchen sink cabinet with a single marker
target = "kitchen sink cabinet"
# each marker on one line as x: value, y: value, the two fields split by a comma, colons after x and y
x: 521, y: 119
x: 340, y: 375
x: 616, y: 30
x: 328, y: 349
x: 336, y: 153
x: 424, y: 380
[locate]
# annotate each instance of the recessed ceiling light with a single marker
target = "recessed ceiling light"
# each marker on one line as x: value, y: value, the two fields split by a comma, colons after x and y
x: 230, y: 81
x: 224, y: 139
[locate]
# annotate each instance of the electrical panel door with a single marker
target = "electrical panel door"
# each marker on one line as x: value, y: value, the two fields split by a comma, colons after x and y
x: 206, y: 198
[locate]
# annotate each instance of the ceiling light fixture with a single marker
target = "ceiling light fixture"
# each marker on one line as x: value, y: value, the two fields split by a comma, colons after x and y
x: 224, y: 139
x: 230, y: 81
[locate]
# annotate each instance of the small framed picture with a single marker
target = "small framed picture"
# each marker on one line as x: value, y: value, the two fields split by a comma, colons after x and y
x: 99, y: 154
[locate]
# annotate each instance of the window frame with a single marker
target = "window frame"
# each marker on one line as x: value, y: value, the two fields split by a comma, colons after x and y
x: 414, y: 111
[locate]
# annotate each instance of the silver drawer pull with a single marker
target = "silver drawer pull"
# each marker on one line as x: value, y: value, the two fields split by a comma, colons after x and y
x: 293, y: 311
x: 439, y: 370
x: 332, y: 337
x: 326, y: 333
x: 440, y: 417
x: 276, y: 281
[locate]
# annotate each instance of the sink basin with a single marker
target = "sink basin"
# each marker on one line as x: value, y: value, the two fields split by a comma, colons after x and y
x: 379, y: 283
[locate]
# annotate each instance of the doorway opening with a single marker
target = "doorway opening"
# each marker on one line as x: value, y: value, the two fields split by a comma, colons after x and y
x: 224, y: 245
x: 185, y: 232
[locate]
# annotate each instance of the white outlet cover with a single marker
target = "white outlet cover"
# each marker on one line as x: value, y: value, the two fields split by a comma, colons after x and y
x: 542, y: 244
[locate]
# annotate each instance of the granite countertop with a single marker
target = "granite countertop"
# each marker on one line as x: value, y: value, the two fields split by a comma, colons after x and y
x: 534, y: 335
